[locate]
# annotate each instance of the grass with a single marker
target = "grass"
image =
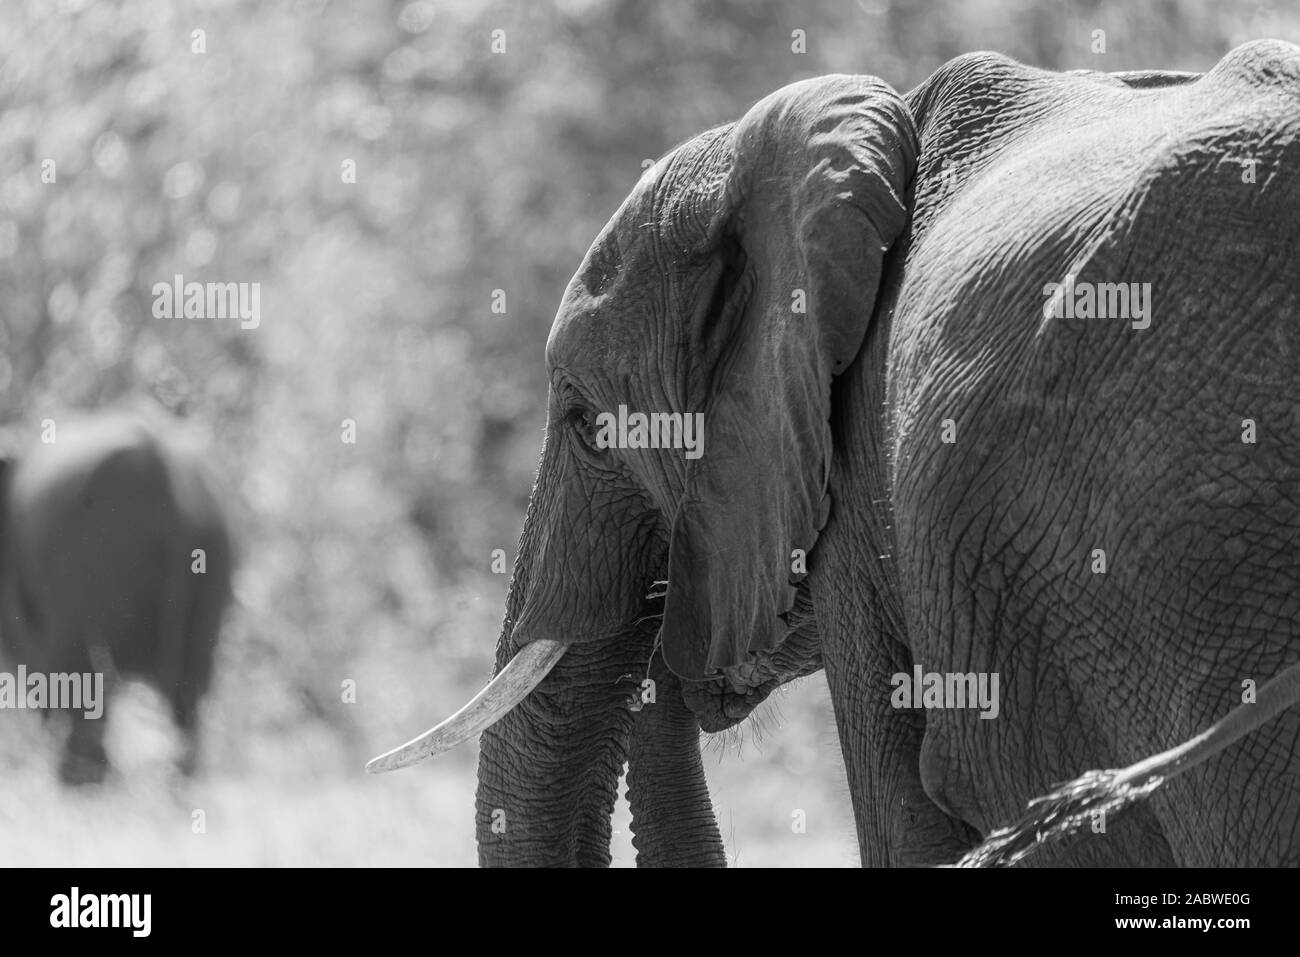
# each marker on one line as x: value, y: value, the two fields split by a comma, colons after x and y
x: 286, y: 803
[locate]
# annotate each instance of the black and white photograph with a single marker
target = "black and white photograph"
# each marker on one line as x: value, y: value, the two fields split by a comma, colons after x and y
x: 609, y: 433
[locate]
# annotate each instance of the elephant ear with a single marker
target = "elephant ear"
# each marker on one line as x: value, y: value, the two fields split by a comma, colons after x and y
x: 802, y: 219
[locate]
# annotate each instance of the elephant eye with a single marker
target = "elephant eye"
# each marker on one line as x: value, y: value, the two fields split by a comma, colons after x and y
x: 583, y: 421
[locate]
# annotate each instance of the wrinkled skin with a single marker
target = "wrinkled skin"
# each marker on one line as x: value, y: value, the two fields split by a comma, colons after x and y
x: 98, y: 533
x: 923, y: 232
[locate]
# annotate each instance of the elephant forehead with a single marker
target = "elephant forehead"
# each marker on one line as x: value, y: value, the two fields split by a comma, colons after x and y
x: 612, y: 306
x: 601, y: 332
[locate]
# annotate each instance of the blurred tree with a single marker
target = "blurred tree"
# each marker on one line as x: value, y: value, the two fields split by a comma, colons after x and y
x: 387, y: 177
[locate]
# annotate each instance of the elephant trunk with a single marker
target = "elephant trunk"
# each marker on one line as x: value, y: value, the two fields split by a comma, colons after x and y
x: 549, y: 768
x: 548, y: 771
x: 673, y: 824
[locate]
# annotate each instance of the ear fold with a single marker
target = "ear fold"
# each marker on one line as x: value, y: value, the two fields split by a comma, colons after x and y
x: 814, y: 198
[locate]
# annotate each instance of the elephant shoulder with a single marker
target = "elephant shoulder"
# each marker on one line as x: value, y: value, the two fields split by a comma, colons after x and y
x: 1141, y: 79
x: 979, y: 104
x: 1271, y: 65
x: 979, y: 69
x: 970, y: 85
x: 1228, y: 153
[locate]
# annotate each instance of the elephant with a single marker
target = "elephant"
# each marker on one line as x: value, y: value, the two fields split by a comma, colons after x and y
x: 1088, y: 799
x: 100, y: 569
x: 1000, y: 381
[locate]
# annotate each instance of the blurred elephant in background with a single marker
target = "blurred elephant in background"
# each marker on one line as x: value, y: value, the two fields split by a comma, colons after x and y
x: 99, y: 571
x: 939, y: 438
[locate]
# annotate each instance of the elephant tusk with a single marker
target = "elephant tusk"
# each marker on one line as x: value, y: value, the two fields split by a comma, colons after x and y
x: 512, y: 684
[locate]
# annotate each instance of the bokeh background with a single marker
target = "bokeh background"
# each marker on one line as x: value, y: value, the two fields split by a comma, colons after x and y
x: 475, y: 172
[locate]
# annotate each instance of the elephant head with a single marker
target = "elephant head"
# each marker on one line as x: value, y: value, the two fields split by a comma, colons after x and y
x: 733, y: 284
